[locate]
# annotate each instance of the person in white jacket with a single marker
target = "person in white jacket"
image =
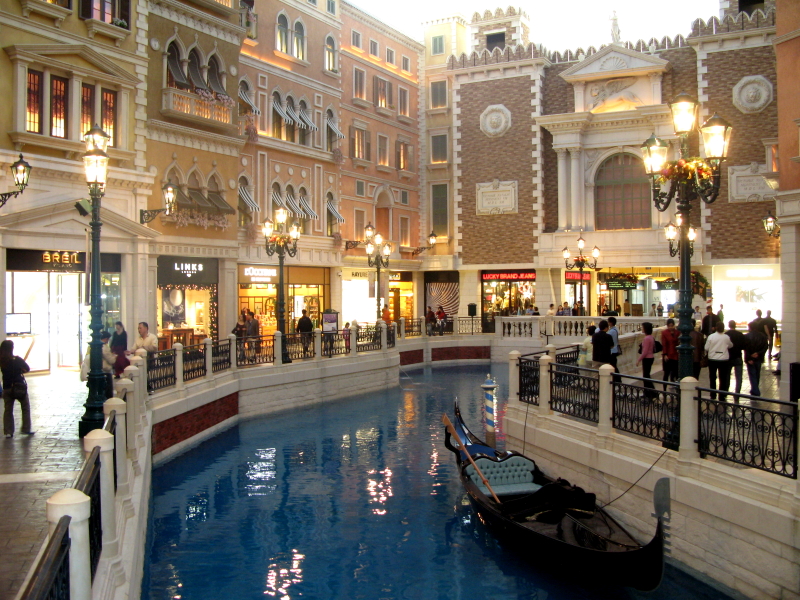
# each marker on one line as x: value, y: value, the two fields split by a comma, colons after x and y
x: 108, y: 364
x: 717, y: 346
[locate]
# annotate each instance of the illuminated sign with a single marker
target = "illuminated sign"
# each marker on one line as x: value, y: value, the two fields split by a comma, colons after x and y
x: 576, y: 276
x: 508, y: 275
x: 177, y: 270
x: 59, y: 257
x: 188, y: 269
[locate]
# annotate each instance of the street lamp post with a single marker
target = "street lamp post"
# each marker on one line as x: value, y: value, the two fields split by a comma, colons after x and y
x: 421, y: 249
x: 581, y: 262
x: 684, y: 181
x: 281, y: 242
x: 95, y: 162
x: 378, y: 252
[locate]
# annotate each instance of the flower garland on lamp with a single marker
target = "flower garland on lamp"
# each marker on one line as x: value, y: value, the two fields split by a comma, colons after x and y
x: 685, y: 169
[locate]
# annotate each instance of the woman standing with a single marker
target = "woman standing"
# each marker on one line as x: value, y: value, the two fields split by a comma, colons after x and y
x: 585, y: 350
x: 14, y: 388
x: 647, y: 355
x: 118, y: 345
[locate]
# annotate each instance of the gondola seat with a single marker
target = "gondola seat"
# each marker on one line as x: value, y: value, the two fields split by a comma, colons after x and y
x: 511, y: 476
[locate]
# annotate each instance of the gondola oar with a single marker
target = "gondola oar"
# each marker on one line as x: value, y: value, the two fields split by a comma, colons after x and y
x: 461, y: 447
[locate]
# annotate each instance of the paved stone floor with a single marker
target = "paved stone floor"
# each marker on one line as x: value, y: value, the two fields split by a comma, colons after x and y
x: 33, y: 468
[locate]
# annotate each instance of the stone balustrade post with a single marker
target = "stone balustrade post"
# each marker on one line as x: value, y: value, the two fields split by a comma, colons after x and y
x: 277, y: 348
x: 317, y: 344
x: 687, y: 449
x: 394, y: 333
x: 384, y: 335
x: 513, y: 376
x: 605, y: 400
x: 498, y: 327
x: 551, y: 350
x: 77, y: 505
x: 402, y: 331
x: 135, y: 401
x: 353, y: 332
x: 234, y: 349
x: 120, y: 407
x: 178, y: 347
x: 208, y: 353
x: 105, y: 440
x: 544, y: 384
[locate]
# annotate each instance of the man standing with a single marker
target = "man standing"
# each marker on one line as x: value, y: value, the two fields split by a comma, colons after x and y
x: 721, y: 315
x: 566, y: 311
x: 653, y: 311
x: 755, y: 347
x: 551, y: 312
x: 758, y: 322
x: 669, y: 342
x: 698, y: 350
x: 252, y: 334
x: 616, y: 350
x: 735, y: 354
x: 146, y: 340
x: 602, y: 343
x: 709, y: 324
x: 305, y: 327
x: 770, y: 327
x: 717, y: 346
x: 430, y: 321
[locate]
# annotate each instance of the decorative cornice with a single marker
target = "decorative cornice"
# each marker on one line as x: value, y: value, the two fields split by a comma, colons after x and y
x: 501, y: 70
x: 44, y: 53
x: 188, y: 137
x: 196, y: 20
x: 371, y: 21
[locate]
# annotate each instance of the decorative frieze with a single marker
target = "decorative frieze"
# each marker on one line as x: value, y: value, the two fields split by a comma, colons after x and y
x: 747, y: 184
x: 496, y: 198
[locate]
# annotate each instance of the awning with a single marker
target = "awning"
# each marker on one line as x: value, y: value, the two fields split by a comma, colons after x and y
x: 177, y: 74
x: 292, y: 205
x: 335, y: 129
x: 307, y: 119
x: 294, y: 117
x: 277, y: 200
x: 215, y: 83
x: 183, y: 200
x: 196, y: 77
x: 246, y: 97
x: 220, y: 204
x: 306, y: 206
x: 279, y: 109
x: 334, y: 213
x: 200, y: 200
x: 244, y: 196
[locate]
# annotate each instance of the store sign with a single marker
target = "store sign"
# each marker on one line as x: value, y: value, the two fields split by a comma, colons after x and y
x: 577, y: 276
x: 57, y: 260
x: 257, y: 274
x: 621, y: 284
x: 177, y: 270
x: 667, y: 285
x: 508, y: 275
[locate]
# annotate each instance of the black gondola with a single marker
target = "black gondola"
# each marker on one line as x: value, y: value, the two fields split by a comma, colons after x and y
x: 555, y: 525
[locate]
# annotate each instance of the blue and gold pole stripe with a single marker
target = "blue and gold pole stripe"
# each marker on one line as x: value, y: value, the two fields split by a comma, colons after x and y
x: 489, y: 386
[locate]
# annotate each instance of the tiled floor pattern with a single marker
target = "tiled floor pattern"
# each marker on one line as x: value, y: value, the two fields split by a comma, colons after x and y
x: 33, y: 468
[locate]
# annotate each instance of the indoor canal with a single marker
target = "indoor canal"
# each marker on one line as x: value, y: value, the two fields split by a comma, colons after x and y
x: 354, y: 499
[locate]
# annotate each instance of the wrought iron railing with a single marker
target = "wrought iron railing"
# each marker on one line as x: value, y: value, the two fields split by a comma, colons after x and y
x: 255, y: 350
x: 567, y: 356
x: 529, y: 378
x: 369, y: 338
x: 414, y: 327
x: 194, y: 362
x: 220, y: 356
x: 160, y: 369
x: 652, y: 412
x: 574, y: 391
x: 335, y: 344
x: 299, y: 345
x: 50, y: 577
x: 88, y: 482
x: 390, y: 337
x: 748, y: 430
x: 468, y: 325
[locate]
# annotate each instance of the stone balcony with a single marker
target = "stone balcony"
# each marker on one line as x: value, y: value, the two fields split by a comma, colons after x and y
x: 191, y: 107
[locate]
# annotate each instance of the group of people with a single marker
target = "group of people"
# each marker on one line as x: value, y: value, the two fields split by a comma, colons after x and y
x: 435, y: 321
x: 115, y: 359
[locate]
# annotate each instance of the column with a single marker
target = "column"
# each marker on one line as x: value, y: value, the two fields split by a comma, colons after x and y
x: 317, y: 343
x: 544, y: 384
x: 563, y: 189
x: 688, y: 420
x: 119, y: 406
x: 576, y: 189
x: 77, y: 505
x: 234, y: 350
x: 513, y: 376
x: 105, y: 440
x: 605, y: 405
x: 178, y: 347
x: 277, y: 349
x: 208, y: 353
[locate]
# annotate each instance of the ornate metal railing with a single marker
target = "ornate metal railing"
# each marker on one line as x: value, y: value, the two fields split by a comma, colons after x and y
x: 220, y: 356
x: 567, y: 356
x: 88, y: 482
x: 160, y: 369
x: 255, y: 350
x: 50, y: 578
x: 468, y: 325
x: 574, y: 391
x: 299, y: 345
x: 369, y: 338
x: 520, y: 328
x: 651, y: 412
x: 194, y: 362
x: 761, y: 434
x: 414, y: 327
x: 529, y: 378
x: 335, y: 344
x: 390, y: 337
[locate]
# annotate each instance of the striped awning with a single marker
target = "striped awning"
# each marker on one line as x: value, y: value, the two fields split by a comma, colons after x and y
x: 334, y: 128
x: 196, y: 76
x: 307, y: 119
x: 201, y: 201
x: 334, y: 213
x: 246, y: 98
x: 183, y: 200
x: 219, y: 203
x: 277, y: 200
x: 244, y: 196
x: 282, y: 112
x: 306, y: 206
x: 295, y: 117
x: 177, y: 74
x: 294, y: 207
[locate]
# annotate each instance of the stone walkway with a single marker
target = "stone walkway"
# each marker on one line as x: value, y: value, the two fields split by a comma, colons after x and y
x: 33, y: 468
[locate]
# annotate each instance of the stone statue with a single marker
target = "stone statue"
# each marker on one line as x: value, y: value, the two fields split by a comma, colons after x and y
x: 608, y: 96
x: 614, y: 29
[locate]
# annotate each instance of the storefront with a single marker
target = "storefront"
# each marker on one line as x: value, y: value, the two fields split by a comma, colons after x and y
x: 358, y: 295
x: 744, y: 289
x: 187, y: 302
x: 508, y: 293
x: 307, y: 288
x: 47, y: 314
x: 577, y: 286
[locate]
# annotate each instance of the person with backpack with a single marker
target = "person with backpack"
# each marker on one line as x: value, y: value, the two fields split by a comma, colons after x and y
x: 15, y: 388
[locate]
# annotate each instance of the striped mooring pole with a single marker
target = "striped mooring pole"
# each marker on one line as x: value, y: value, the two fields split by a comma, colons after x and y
x: 489, y: 386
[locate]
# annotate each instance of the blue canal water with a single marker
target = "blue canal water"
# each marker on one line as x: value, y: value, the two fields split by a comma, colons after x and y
x: 357, y: 499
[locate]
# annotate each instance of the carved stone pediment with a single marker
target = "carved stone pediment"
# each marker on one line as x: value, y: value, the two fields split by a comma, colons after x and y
x: 615, y: 61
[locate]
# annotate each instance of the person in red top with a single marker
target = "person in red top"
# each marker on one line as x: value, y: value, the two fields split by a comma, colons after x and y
x: 669, y: 341
x: 441, y: 318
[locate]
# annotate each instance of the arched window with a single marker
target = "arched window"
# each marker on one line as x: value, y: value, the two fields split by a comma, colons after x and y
x: 290, y: 125
x: 195, y: 74
x: 245, y: 212
x: 299, y: 41
x: 247, y: 104
x: 215, y: 79
x: 302, y: 133
x: 622, y: 194
x: 282, y: 40
x: 277, y: 198
x: 332, y: 132
x: 331, y: 63
x: 334, y: 218
x: 277, y: 117
x: 176, y: 78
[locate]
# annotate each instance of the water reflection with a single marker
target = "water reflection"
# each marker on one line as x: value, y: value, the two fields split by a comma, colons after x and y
x: 284, y: 571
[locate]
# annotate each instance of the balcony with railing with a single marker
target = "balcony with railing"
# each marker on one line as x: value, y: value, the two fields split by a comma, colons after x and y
x: 186, y: 105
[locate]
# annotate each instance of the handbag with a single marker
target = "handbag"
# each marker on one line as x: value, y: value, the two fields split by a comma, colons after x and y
x: 704, y: 361
x: 19, y: 390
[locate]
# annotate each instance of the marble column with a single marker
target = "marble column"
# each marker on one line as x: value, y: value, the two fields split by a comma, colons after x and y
x: 563, y: 189
x: 576, y: 189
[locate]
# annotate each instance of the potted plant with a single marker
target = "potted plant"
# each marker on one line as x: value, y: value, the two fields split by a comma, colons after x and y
x: 119, y: 23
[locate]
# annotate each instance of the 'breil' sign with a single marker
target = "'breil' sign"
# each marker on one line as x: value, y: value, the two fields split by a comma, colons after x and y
x: 508, y: 275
